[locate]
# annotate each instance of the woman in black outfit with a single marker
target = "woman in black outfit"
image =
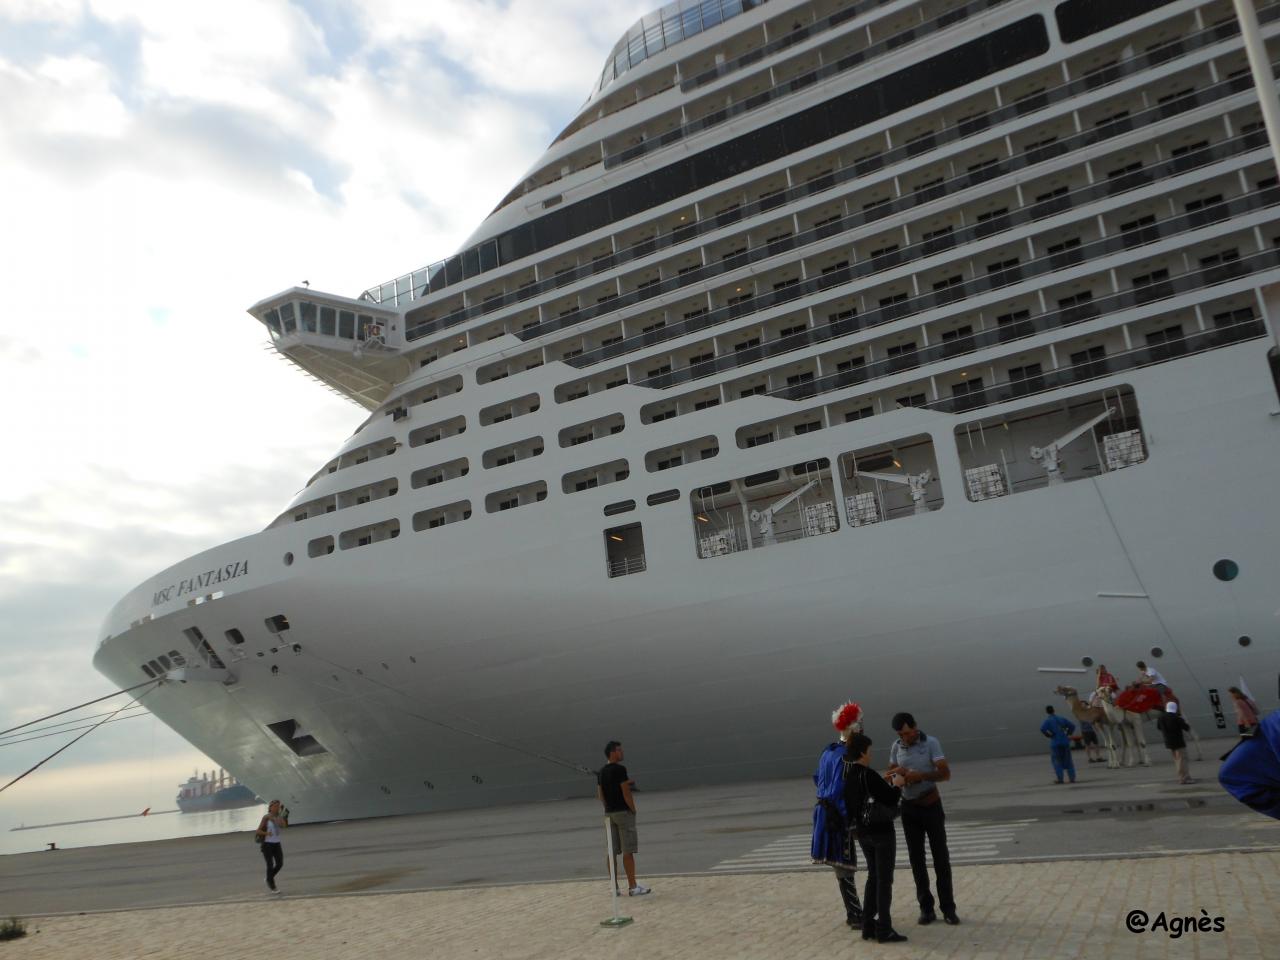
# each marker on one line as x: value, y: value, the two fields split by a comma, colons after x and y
x: 878, y: 843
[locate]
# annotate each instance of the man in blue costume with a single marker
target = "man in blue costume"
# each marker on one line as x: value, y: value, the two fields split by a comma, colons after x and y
x: 1251, y: 771
x: 833, y: 842
x: 1058, y: 730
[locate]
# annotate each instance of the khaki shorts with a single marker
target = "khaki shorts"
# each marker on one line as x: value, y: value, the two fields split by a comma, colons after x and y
x: 622, y: 824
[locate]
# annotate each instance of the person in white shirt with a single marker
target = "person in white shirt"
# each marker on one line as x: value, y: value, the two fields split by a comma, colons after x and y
x: 275, y: 820
x: 1151, y: 677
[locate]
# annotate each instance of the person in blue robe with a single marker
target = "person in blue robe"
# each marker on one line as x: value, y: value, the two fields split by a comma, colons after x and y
x: 833, y: 841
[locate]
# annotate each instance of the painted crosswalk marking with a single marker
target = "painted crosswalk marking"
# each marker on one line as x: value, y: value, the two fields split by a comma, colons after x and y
x: 966, y: 840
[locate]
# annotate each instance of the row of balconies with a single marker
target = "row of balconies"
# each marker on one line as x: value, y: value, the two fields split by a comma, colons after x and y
x: 914, y: 241
x: 910, y: 293
x: 913, y: 138
x: 1175, y: 334
x: 1126, y: 170
x: 1025, y: 315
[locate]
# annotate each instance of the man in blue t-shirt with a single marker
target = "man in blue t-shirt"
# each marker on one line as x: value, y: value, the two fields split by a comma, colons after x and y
x: 613, y: 787
x: 1058, y: 730
x: 919, y: 758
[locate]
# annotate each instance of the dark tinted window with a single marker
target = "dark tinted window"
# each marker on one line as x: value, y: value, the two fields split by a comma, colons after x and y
x: 666, y: 496
x: 1080, y: 18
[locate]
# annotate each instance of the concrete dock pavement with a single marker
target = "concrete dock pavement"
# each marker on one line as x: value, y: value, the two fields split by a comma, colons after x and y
x: 1039, y: 911
x: 1041, y: 871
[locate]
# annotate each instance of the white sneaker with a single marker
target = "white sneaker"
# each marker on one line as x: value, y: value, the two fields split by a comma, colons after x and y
x: 639, y: 890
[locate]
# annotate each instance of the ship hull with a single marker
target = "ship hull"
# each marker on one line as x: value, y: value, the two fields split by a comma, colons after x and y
x: 467, y: 668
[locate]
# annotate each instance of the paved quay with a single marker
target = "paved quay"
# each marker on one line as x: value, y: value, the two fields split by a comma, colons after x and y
x: 1033, y: 911
x: 1041, y: 871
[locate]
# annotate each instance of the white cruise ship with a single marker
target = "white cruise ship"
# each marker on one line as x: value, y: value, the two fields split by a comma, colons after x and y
x: 920, y: 353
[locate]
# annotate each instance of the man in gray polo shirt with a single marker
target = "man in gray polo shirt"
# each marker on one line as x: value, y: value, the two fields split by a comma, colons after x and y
x: 919, y: 758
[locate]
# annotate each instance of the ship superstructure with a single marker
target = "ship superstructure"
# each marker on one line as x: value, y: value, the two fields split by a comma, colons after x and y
x: 922, y: 353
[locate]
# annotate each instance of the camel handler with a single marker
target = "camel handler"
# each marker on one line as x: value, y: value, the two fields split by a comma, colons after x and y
x: 833, y: 841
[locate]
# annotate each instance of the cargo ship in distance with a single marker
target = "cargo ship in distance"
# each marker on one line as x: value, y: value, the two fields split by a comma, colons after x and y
x: 214, y: 791
x: 917, y: 352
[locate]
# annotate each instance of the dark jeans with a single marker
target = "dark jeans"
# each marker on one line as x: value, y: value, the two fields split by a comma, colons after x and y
x: 879, y: 850
x: 917, y: 823
x: 273, y: 853
x: 848, y: 883
x: 1060, y: 757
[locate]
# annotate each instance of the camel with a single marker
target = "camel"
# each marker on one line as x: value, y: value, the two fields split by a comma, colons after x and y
x: 1128, y: 724
x: 1095, y: 715
x: 1107, y: 695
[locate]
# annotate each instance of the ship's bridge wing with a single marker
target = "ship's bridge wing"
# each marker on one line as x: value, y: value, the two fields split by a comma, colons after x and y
x: 353, y: 346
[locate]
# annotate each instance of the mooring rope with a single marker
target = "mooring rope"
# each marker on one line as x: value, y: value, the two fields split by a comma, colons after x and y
x: 87, y: 703
x: 83, y: 735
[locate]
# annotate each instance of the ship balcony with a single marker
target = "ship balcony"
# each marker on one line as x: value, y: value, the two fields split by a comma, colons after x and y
x: 352, y: 346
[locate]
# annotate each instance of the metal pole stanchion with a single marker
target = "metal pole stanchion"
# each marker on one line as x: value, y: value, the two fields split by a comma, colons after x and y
x: 615, y: 920
x: 1265, y: 84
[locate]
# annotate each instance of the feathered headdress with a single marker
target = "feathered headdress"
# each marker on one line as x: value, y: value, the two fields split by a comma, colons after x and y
x: 847, y: 719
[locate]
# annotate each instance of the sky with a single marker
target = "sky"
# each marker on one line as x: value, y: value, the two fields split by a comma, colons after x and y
x: 162, y: 167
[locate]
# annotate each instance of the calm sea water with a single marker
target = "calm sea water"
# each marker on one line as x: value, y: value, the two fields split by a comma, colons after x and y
x: 156, y: 826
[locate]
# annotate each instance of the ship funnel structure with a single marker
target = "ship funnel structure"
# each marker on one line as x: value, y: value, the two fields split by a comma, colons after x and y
x: 352, y: 346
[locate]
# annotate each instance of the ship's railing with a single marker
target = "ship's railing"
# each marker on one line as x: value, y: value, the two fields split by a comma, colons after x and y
x: 1039, y: 101
x: 1029, y: 213
x: 1072, y: 374
x: 950, y: 295
x: 476, y: 260
x: 1017, y: 328
x: 879, y: 49
x: 625, y: 566
x: 819, y: 27
x: 664, y: 28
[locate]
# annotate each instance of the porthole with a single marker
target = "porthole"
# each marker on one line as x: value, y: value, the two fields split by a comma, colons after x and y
x: 476, y: 778
x: 288, y: 559
x: 1157, y: 652
x: 1245, y: 641
x: 1226, y: 570
x: 428, y: 784
x: 1086, y: 661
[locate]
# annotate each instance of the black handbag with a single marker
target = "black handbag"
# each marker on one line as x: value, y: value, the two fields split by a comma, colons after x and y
x: 874, y: 813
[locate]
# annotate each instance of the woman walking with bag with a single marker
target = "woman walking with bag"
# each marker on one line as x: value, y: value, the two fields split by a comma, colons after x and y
x: 268, y: 835
x: 873, y: 805
x: 1246, y: 712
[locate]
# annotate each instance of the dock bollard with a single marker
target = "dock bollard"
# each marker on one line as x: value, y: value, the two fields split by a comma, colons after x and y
x: 615, y: 920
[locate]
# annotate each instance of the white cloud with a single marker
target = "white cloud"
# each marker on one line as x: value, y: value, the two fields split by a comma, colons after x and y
x: 554, y: 47
x: 253, y: 55
x: 41, y: 11
x: 78, y: 100
x: 159, y: 181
